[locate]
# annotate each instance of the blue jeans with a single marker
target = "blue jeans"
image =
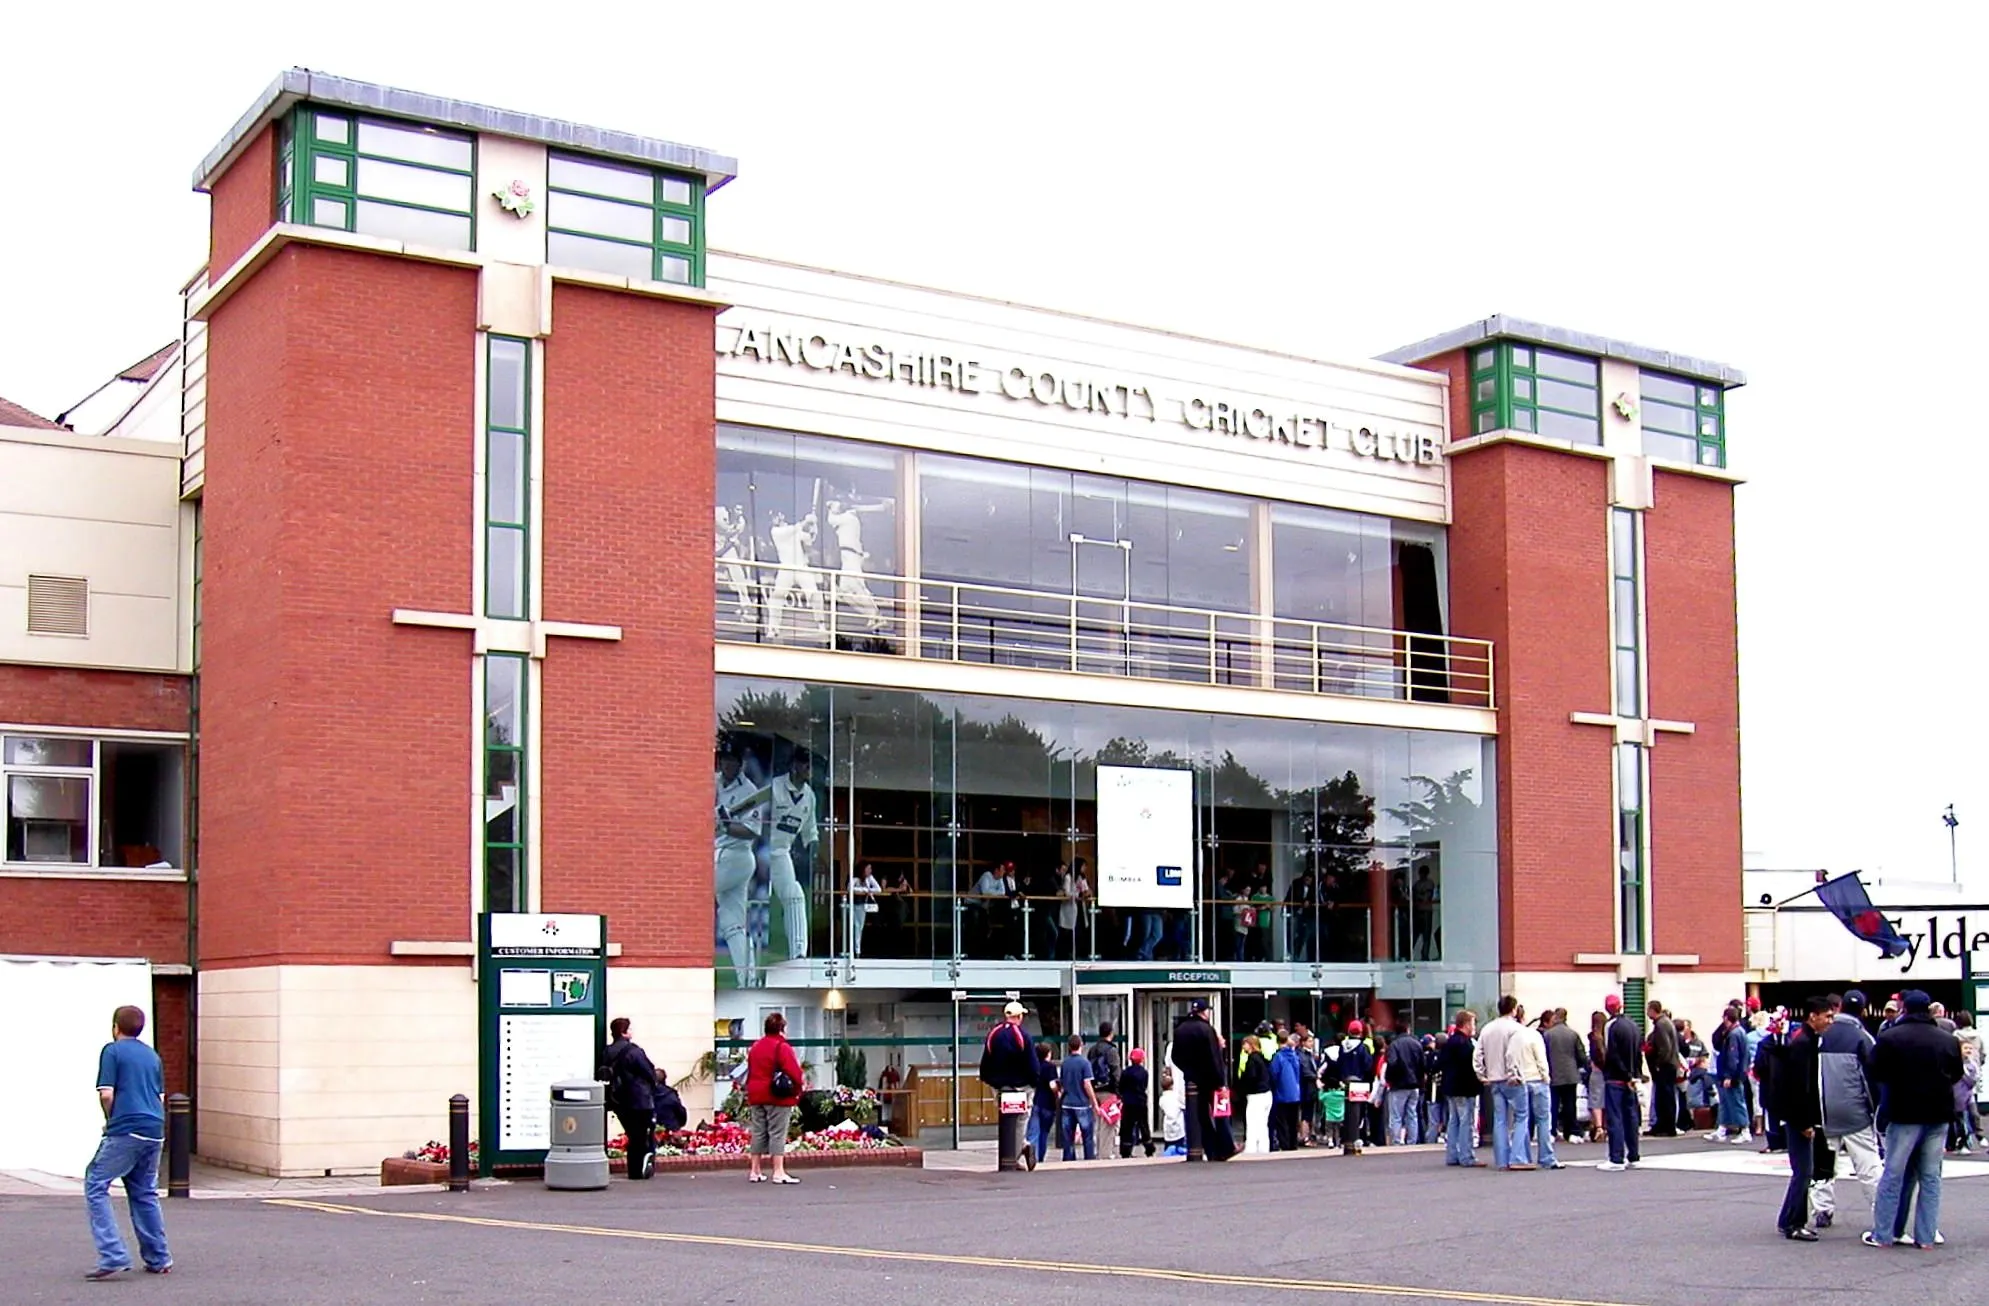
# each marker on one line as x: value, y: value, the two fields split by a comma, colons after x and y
x: 1509, y: 1123
x: 1540, y: 1105
x: 1916, y: 1148
x: 1078, y: 1118
x: 1621, y: 1117
x: 1461, y: 1131
x: 136, y: 1162
x: 1150, y: 929
x: 1733, y: 1109
x: 1405, y: 1116
x: 1042, y: 1122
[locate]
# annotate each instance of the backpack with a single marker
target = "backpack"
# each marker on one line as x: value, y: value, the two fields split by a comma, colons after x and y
x: 1103, y: 1078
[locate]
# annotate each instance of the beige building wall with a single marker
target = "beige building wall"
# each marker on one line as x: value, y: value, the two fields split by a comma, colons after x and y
x: 1699, y: 996
x: 106, y: 510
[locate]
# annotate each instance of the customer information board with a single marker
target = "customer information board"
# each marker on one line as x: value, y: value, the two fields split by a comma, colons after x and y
x: 542, y: 1018
x: 1146, y: 837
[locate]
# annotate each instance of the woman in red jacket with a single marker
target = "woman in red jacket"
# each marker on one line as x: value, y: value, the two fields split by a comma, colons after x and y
x: 767, y: 1110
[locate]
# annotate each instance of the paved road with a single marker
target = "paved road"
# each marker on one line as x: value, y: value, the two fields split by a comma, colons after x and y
x: 1383, y: 1228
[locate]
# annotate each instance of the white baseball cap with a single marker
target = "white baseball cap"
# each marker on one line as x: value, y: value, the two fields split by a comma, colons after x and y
x: 1015, y: 1009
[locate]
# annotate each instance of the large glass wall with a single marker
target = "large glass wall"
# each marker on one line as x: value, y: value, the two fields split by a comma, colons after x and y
x: 863, y: 822
x: 1033, y: 566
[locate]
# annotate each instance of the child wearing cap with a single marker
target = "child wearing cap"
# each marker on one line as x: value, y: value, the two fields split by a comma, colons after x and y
x: 1134, y: 1124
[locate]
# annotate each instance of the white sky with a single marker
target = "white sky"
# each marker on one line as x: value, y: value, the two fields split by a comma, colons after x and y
x: 1797, y: 192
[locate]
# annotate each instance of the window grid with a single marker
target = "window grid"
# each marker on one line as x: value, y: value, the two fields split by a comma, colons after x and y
x: 329, y: 196
x: 27, y: 828
x: 1513, y: 384
x: 1626, y: 611
x: 668, y: 256
x: 1633, y: 933
x: 504, y: 782
x: 1683, y: 419
x: 507, y: 477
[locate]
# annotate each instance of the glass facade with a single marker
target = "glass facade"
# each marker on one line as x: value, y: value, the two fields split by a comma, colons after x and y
x: 378, y: 177
x: 975, y: 819
x: 1683, y: 420
x: 1521, y: 387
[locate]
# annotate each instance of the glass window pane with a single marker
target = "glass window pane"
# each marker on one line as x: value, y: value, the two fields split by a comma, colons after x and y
x: 1711, y: 455
x: 1626, y: 613
x: 620, y: 260
x: 1487, y: 389
x: 333, y: 129
x: 568, y: 173
x: 1482, y: 361
x: 1709, y: 426
x: 1628, y: 700
x: 1576, y: 430
x: 330, y: 170
x: 507, y: 383
x: 676, y: 190
x: 328, y: 213
x: 1678, y: 448
x: 1708, y: 397
x: 501, y: 809
x: 1522, y: 388
x: 675, y: 231
x: 415, y: 226
x: 1486, y: 420
x: 505, y: 583
x: 502, y: 883
x: 1568, y: 367
x: 602, y: 217
x: 1623, y: 541
x: 398, y: 181
x: 48, y: 819
x: 507, y: 477
x: 675, y: 270
x: 1522, y: 419
x: 503, y: 699
x: 38, y: 750
x: 1668, y: 417
x: 1522, y: 357
x: 1670, y: 389
x: 1630, y: 777
x: 421, y: 144
x: 1572, y: 398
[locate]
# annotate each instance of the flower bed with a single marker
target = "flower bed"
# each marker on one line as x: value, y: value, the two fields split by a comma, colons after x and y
x: 719, y: 1145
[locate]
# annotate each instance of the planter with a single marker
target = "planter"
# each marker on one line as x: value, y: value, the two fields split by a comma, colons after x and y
x: 903, y: 1157
x: 399, y: 1171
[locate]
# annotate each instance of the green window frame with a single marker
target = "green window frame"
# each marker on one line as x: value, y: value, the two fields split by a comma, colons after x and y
x: 507, y: 554
x: 1516, y: 386
x: 1683, y: 420
x: 1626, y: 610
x: 624, y: 219
x: 506, y: 682
x: 377, y: 176
x: 1633, y: 934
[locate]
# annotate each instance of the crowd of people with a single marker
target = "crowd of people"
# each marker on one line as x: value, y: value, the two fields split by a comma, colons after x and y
x: 1879, y: 1097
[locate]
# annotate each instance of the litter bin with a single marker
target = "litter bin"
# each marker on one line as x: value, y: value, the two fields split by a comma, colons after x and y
x: 578, y: 1157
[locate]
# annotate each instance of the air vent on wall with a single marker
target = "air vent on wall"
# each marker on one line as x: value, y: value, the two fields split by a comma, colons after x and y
x: 58, y: 605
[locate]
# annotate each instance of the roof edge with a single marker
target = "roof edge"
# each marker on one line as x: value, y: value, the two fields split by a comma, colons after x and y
x: 1501, y: 327
x: 295, y: 84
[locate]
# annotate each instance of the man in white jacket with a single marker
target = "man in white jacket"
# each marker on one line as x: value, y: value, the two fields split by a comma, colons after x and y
x: 1497, y: 1064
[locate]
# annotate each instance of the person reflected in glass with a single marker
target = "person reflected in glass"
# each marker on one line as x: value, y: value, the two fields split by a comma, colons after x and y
x: 1304, y: 896
x: 897, y: 919
x: 1423, y: 895
x: 863, y: 890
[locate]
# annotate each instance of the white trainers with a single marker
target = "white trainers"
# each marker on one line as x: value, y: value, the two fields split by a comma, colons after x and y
x: 1741, y: 1138
x: 1612, y: 1166
x: 1717, y: 1136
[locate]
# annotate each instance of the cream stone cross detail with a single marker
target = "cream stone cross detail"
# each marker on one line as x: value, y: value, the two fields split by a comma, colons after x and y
x: 506, y: 634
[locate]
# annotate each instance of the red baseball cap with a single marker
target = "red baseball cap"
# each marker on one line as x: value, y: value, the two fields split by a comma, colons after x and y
x: 1612, y: 1002
x: 1355, y: 1027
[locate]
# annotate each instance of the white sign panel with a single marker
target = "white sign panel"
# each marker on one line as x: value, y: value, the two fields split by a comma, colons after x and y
x: 55, y: 1017
x: 544, y: 933
x: 1146, y: 837
x: 533, y: 1054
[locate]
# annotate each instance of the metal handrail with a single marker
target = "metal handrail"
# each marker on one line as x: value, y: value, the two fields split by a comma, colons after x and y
x: 957, y: 621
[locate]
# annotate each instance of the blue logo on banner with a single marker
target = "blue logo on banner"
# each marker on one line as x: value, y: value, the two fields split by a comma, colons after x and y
x: 1170, y: 876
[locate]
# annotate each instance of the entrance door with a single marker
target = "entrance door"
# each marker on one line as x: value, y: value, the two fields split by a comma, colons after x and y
x: 1155, y: 1013
x: 1101, y: 587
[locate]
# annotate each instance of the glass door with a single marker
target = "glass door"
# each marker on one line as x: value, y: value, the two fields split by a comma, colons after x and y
x: 1101, y: 585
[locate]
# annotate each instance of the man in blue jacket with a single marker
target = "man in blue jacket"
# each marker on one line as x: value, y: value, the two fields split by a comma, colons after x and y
x: 1286, y: 1079
x: 131, y: 1089
x: 1844, y: 1055
x: 1732, y: 1058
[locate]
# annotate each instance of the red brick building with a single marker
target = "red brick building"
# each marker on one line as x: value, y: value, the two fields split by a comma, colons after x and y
x: 501, y: 503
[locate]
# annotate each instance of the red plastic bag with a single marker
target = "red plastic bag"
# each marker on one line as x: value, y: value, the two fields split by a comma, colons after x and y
x: 1219, y: 1104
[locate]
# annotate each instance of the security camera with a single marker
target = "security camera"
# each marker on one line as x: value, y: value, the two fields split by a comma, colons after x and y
x: 1767, y: 900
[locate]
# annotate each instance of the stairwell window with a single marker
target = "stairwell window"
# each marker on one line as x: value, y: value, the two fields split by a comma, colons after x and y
x: 624, y: 219
x: 377, y: 177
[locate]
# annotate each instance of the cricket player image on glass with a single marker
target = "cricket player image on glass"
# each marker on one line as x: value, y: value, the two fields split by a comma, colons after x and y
x: 741, y: 814
x: 845, y: 519
x: 729, y: 557
x: 794, y: 580
x: 792, y: 842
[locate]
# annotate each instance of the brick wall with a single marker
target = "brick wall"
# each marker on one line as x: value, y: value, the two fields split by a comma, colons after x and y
x: 242, y: 202
x: 1529, y: 570
x: 626, y: 742
x: 94, y: 918
x: 1694, y: 669
x: 92, y: 700
x: 335, y: 745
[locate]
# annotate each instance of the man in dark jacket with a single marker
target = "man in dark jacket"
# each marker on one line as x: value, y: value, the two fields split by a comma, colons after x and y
x: 1731, y: 1064
x: 1794, y: 1096
x: 1844, y: 1056
x: 1008, y: 1064
x: 1566, y: 1055
x: 1916, y: 1065
x: 1135, y: 1125
x: 631, y: 1081
x: 1622, y: 1068
x: 1198, y: 1055
x: 1403, y: 1069
x: 1353, y: 1064
x: 1460, y: 1086
x: 1661, y: 1054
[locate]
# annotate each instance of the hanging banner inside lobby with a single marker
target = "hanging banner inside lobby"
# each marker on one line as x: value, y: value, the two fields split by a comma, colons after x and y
x: 1146, y: 837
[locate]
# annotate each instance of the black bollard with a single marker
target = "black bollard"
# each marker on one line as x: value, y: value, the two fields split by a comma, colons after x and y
x: 179, y: 1146
x: 1191, y: 1117
x: 1008, y: 1139
x: 459, y: 1144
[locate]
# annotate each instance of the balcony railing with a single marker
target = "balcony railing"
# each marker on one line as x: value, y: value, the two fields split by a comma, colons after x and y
x: 948, y: 621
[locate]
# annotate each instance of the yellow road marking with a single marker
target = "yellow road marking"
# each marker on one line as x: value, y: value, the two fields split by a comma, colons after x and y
x: 945, y: 1258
